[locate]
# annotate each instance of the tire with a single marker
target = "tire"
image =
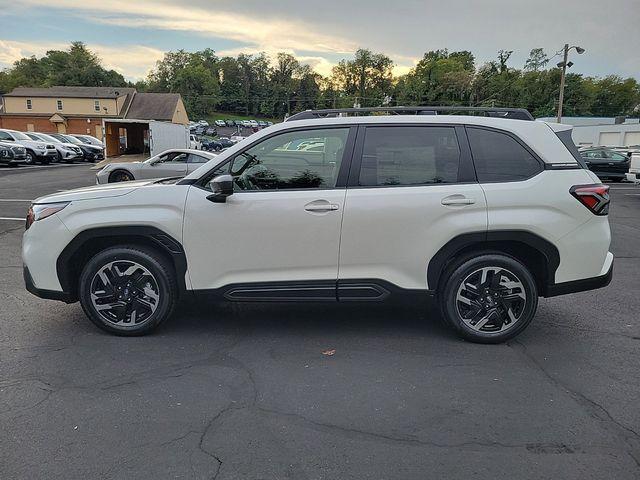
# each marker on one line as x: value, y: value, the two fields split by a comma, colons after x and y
x: 492, y: 290
x: 120, y: 176
x: 31, y: 158
x: 138, y: 301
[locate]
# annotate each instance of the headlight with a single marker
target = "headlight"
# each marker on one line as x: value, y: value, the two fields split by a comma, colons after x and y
x: 39, y: 211
x: 41, y: 146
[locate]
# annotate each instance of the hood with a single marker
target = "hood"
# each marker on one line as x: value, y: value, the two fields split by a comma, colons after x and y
x: 94, y: 192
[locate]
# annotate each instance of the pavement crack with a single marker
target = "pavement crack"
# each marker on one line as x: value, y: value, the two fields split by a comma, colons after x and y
x: 594, y: 409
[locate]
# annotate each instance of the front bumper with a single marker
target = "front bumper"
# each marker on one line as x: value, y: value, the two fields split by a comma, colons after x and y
x: 15, y: 160
x: 49, y: 155
x: 42, y: 293
x: 94, y: 156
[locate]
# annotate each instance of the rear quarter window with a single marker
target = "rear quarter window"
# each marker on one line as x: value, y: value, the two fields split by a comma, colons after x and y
x: 498, y: 157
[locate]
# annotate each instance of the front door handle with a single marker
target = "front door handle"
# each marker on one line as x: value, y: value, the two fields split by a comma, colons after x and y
x: 457, y: 200
x: 321, y: 206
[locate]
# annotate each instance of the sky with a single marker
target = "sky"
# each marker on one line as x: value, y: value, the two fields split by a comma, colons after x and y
x: 131, y: 35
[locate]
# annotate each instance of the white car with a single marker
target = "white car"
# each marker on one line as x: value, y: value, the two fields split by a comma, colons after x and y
x: 482, y: 214
x: 176, y: 162
x: 220, y: 123
x: 634, y: 169
x: 195, y: 144
x: 37, y: 150
x: 67, y: 152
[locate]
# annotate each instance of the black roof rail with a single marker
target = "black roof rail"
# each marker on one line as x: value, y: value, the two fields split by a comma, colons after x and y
x: 511, y: 113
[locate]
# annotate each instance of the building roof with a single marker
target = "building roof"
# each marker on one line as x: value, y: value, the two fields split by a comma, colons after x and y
x: 71, y: 92
x: 153, y: 106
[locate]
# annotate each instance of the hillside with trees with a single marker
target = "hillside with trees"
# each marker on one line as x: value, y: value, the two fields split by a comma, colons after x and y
x: 258, y: 85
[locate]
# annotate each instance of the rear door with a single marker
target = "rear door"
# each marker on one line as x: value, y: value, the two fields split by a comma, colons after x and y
x: 411, y: 189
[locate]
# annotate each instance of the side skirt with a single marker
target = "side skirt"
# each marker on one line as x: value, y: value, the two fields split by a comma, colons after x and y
x: 357, y: 290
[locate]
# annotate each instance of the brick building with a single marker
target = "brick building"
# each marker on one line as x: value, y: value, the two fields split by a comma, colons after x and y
x: 84, y: 110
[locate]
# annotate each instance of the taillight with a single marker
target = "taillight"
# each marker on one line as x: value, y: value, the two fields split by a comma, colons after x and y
x: 594, y: 197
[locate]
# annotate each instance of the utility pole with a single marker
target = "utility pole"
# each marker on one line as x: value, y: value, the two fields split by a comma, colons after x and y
x: 562, y: 75
x: 564, y: 65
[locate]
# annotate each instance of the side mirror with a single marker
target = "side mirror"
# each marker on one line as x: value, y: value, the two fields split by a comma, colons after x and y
x: 222, y: 187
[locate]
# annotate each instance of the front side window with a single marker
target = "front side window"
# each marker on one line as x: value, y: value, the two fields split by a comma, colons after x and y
x: 5, y: 136
x: 498, y: 157
x: 404, y: 156
x: 303, y: 159
x: 59, y: 104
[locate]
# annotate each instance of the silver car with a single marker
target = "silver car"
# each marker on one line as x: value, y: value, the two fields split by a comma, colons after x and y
x: 170, y: 163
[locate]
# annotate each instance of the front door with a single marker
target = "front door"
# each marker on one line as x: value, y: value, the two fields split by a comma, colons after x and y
x: 277, y: 236
x: 411, y: 190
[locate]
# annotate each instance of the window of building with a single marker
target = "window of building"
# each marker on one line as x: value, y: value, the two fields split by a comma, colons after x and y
x: 96, y: 105
x: 59, y: 104
x: 29, y: 105
x: 409, y: 156
x: 498, y: 157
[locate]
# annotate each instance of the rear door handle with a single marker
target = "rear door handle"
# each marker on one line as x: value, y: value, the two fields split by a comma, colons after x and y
x: 457, y: 200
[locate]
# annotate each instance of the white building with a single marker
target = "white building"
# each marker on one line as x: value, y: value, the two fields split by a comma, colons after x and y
x: 602, y: 131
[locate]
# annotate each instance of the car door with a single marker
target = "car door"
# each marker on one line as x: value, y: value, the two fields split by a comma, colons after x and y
x: 616, y: 164
x: 195, y: 161
x: 277, y: 236
x: 596, y: 161
x: 171, y: 164
x: 411, y: 190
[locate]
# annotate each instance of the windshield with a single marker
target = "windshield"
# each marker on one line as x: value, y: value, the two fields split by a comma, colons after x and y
x: 88, y: 139
x: 48, y: 138
x: 20, y: 136
x: 71, y: 139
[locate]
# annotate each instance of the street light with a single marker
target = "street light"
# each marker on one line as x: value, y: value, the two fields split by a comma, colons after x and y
x: 564, y: 65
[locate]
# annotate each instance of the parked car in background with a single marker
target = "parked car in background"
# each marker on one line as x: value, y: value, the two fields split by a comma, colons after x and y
x: 634, y: 168
x: 262, y: 124
x: 194, y: 143
x: 217, y: 144
x: 211, y: 131
x: 89, y: 140
x: 12, y: 154
x: 606, y: 163
x: 220, y: 123
x: 171, y: 163
x: 36, y: 150
x: 67, y: 152
x: 90, y: 153
x: 230, y: 123
x: 203, y: 123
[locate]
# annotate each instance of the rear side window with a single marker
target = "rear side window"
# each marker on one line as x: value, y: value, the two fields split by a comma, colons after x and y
x: 404, y: 156
x: 567, y: 141
x: 498, y: 157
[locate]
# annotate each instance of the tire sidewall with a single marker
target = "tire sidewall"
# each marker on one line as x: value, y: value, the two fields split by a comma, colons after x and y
x: 158, y: 268
x: 464, y: 268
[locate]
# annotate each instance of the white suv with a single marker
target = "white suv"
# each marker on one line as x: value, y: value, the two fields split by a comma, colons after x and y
x: 484, y: 214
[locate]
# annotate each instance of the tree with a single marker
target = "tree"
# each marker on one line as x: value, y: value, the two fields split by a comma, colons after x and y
x: 537, y: 60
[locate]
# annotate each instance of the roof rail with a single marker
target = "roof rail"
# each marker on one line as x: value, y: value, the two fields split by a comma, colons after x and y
x: 511, y: 113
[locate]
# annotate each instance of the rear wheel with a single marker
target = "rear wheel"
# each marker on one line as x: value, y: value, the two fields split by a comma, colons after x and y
x: 120, y: 176
x: 128, y: 290
x: 489, y: 298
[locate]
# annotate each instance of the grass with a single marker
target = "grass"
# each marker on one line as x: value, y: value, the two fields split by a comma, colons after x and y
x: 234, y: 116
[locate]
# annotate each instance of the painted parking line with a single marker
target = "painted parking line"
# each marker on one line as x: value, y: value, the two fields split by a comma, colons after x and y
x: 41, y: 167
x: 14, y: 200
x: 12, y: 218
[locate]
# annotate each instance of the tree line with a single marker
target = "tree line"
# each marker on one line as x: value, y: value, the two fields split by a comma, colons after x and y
x: 258, y: 85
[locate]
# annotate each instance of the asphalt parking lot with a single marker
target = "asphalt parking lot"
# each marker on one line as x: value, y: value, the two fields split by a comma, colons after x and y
x: 235, y: 392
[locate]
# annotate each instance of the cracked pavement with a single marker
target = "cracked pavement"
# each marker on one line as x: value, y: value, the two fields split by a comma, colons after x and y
x: 244, y: 391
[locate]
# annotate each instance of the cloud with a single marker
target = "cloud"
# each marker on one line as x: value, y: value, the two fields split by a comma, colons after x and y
x: 134, y: 65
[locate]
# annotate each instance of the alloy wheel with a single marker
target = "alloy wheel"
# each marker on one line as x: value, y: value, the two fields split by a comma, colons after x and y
x: 491, y: 299
x: 124, y: 293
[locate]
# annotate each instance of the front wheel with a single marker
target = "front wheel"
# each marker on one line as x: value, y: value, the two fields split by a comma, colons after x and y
x: 30, y: 159
x: 489, y: 298
x: 128, y: 290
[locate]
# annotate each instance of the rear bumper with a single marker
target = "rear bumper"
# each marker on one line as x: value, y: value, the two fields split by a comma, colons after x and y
x: 633, y: 177
x: 583, y: 284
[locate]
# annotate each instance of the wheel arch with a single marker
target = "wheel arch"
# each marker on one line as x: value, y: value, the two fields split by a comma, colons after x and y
x: 118, y: 170
x: 540, y: 256
x: 89, y: 242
